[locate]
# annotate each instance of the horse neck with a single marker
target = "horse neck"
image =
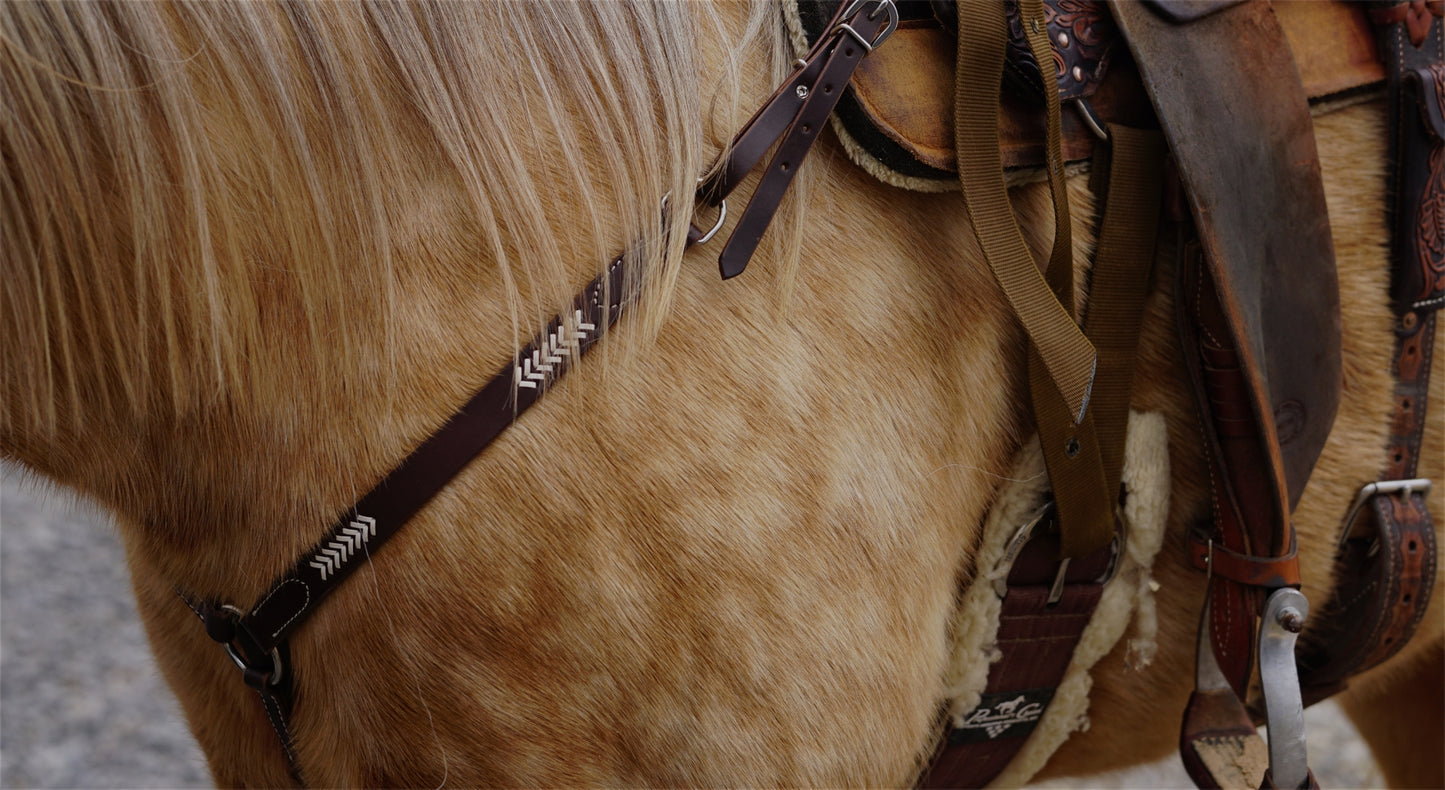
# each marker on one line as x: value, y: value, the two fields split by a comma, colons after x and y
x: 379, y: 228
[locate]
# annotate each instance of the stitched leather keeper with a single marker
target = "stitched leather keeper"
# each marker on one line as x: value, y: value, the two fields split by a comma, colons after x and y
x: 1270, y: 572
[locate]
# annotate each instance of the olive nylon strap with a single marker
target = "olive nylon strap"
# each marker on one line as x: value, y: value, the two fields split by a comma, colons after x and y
x: 1036, y: 637
x: 1122, y: 263
x: 1062, y: 360
x: 1065, y: 352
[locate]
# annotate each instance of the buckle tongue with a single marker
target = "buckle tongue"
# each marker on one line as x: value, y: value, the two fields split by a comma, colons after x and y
x: 1016, y: 547
x: 1045, y: 516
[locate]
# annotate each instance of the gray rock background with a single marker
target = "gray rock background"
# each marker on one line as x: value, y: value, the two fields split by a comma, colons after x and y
x: 82, y: 704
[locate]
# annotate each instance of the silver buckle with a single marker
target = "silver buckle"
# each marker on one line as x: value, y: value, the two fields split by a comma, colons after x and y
x: 1021, y: 538
x: 852, y: 10
x: 1370, y: 490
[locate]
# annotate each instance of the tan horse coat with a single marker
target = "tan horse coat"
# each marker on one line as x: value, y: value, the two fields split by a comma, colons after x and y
x: 253, y: 266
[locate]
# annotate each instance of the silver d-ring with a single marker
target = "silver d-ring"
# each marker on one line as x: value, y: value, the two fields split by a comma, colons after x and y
x: 722, y: 215
x: 276, y: 669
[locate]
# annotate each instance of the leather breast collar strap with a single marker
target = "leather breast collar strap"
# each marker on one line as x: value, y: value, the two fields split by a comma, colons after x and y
x: 256, y: 639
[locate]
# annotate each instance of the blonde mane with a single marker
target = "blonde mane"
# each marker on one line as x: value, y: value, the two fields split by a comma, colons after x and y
x: 190, y: 189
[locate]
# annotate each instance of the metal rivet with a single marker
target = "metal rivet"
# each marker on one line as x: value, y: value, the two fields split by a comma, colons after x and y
x: 1408, y: 320
x: 1078, y: 74
x: 802, y: 91
x: 1291, y: 620
x: 1063, y: 39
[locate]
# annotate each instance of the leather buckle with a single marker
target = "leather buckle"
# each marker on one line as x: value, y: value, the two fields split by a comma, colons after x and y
x: 852, y: 10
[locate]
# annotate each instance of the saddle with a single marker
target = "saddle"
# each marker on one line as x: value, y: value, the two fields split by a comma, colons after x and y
x: 1231, y: 84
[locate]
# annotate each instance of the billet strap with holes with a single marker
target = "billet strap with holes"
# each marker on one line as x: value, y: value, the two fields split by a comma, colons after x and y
x: 1387, y: 561
x: 793, y: 118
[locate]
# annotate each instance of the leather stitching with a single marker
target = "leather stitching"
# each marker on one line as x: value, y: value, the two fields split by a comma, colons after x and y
x: 305, y: 604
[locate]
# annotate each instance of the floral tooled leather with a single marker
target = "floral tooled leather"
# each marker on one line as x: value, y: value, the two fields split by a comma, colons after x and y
x: 1430, y: 216
x: 1083, y: 35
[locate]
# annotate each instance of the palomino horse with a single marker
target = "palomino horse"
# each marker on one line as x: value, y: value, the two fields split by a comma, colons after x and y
x: 254, y: 254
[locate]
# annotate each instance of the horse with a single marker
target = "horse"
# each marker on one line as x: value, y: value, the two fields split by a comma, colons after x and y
x: 254, y: 254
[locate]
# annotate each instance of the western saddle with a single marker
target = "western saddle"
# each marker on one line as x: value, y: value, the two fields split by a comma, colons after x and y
x: 1230, y: 84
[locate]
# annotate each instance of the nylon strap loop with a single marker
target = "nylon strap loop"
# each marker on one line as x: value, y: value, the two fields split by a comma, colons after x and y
x: 1062, y: 360
x: 1066, y: 354
x: 1122, y: 264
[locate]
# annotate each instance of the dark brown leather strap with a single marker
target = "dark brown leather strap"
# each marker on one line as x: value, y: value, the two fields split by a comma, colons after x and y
x: 768, y: 123
x: 257, y: 640
x: 853, y: 38
x: 408, y: 487
x: 1386, y: 567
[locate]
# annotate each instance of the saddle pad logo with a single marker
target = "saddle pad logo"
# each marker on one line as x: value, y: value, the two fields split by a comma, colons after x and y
x: 1011, y: 714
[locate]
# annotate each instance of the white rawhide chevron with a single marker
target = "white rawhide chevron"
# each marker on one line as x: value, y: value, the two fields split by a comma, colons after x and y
x: 338, y: 550
x: 557, y: 345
